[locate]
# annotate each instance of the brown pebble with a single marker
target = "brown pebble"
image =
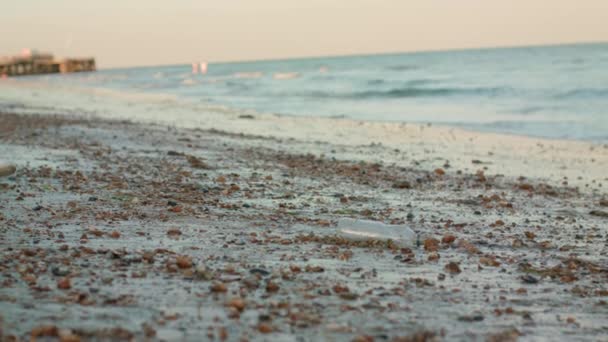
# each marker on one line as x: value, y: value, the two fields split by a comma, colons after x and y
x: 45, y: 330
x: 440, y: 171
x: 64, y: 284
x: 68, y: 336
x: 433, y: 256
x: 431, y: 245
x: 363, y: 338
x: 183, y: 261
x: 272, y: 287
x: 237, y: 303
x: 219, y: 287
x: 174, y: 232
x: 448, y: 239
x: 223, y: 334
x: 453, y: 268
x: 265, y: 328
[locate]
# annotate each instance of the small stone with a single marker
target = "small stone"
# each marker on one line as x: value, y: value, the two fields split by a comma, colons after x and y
x: 203, y: 273
x: 452, y: 268
x: 183, y: 261
x: 237, y: 303
x: 476, y: 317
x: 259, y: 271
x: 402, y: 185
x: 174, y: 232
x: 431, y: 245
x: 7, y: 169
x: 219, y: 287
x: 265, y: 328
x: 598, y: 213
x: 433, y: 256
x: 68, y: 336
x: 272, y: 287
x: 448, y: 239
x: 251, y: 282
x: 64, y: 284
x: 44, y: 330
x: 60, y: 271
x: 528, y: 279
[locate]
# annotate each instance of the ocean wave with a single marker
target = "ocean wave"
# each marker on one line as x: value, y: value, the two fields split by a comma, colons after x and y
x: 409, y: 92
x: 253, y: 74
x: 285, y: 75
x: 583, y: 93
x: 402, y: 67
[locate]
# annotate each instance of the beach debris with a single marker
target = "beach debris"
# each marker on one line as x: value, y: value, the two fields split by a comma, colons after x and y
x: 363, y: 230
x: 7, y: 169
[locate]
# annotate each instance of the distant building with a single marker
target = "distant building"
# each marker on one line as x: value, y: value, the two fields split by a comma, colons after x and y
x: 32, y: 62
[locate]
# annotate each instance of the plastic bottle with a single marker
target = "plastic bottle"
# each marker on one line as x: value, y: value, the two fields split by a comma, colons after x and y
x: 361, y: 230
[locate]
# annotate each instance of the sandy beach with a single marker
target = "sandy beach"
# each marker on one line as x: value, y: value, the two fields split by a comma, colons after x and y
x: 114, y: 229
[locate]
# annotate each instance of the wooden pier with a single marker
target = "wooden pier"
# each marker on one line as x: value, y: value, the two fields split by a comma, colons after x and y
x: 33, y: 63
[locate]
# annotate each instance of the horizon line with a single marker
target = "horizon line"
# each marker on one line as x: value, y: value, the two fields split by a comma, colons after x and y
x: 387, y: 53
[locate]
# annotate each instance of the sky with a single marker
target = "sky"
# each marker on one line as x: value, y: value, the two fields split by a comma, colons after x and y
x: 120, y: 33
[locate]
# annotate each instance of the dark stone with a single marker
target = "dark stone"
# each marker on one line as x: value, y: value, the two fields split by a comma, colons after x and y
x: 528, y: 279
x: 259, y: 271
x: 476, y: 317
x: 60, y: 271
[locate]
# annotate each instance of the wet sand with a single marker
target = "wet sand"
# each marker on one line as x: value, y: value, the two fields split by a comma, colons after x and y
x: 119, y: 230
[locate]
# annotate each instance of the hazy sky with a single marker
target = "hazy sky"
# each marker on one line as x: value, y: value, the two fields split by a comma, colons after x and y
x: 152, y: 32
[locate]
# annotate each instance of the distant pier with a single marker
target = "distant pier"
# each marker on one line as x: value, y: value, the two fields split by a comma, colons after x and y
x: 35, y: 63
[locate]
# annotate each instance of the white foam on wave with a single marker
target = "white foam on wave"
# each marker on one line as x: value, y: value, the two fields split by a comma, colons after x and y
x: 254, y: 74
x: 285, y: 75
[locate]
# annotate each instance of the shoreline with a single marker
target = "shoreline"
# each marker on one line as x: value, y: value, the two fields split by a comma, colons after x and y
x: 161, y: 232
x: 430, y: 146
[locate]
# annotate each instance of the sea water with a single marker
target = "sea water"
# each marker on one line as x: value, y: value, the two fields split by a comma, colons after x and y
x: 545, y: 91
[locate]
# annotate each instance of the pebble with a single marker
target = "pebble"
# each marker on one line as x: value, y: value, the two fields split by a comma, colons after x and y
x: 7, y: 169
x: 528, y: 279
x: 60, y: 271
x: 476, y: 317
x: 259, y: 271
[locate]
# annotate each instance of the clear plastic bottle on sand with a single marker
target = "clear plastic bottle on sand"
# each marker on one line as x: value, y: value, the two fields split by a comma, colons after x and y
x: 361, y: 230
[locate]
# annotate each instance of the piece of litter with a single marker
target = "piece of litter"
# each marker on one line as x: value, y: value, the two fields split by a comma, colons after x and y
x: 362, y: 230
